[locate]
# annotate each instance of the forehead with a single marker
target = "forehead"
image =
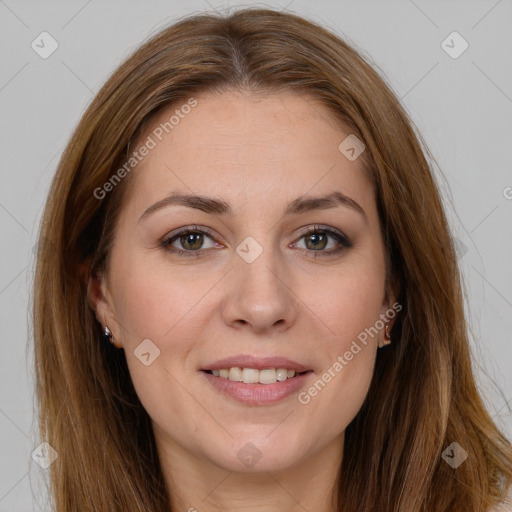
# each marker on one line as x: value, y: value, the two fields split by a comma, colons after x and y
x: 248, y: 146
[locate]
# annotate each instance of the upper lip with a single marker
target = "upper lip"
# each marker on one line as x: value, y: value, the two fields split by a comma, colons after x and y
x: 258, y: 363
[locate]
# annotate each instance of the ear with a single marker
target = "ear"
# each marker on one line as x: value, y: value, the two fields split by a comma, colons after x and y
x: 390, y: 299
x: 100, y: 299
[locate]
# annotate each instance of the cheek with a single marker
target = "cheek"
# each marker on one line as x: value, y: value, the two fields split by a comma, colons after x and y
x: 350, y: 304
x: 152, y: 305
x: 167, y: 307
x: 340, y: 388
x: 150, y: 300
x: 343, y: 388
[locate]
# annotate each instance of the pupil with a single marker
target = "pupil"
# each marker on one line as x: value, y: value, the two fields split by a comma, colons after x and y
x: 189, y: 239
x: 318, y: 240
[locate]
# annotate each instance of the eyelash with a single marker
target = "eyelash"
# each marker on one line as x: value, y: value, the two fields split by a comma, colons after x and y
x: 338, y: 236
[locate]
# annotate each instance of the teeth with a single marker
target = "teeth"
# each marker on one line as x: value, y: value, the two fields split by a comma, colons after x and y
x: 268, y: 376
x: 235, y: 374
x: 282, y: 374
x: 254, y: 376
x: 250, y: 376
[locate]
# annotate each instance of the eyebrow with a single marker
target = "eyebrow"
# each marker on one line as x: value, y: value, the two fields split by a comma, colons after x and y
x: 213, y: 205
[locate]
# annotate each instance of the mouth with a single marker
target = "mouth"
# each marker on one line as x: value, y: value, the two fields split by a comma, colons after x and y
x: 256, y: 380
x: 265, y: 376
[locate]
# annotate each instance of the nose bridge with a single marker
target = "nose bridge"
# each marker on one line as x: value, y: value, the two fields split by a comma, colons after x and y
x: 258, y: 292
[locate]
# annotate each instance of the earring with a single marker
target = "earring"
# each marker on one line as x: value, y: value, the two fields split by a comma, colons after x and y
x: 387, y: 337
x: 110, y: 338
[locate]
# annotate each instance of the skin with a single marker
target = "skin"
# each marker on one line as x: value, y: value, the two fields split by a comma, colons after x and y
x: 259, y: 153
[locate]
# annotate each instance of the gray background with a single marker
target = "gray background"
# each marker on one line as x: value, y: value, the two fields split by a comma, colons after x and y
x: 462, y: 106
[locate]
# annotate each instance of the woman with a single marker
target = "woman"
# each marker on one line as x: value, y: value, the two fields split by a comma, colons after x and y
x: 246, y: 214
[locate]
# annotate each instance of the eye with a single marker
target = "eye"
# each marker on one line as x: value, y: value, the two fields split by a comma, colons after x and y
x: 317, y: 239
x: 190, y: 238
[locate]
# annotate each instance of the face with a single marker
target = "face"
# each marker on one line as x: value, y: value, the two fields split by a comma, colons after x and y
x: 257, y: 277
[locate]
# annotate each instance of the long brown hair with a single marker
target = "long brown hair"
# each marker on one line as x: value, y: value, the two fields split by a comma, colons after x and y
x: 423, y: 395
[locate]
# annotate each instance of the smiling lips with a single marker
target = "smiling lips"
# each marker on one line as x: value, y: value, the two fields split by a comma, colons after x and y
x: 257, y: 381
x: 253, y: 375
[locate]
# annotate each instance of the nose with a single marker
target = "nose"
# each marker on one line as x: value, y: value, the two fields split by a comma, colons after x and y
x: 259, y: 295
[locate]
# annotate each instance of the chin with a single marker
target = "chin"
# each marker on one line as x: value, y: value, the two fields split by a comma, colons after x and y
x: 260, y: 453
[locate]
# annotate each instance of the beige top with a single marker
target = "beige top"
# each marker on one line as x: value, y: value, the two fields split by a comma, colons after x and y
x: 506, y: 506
x: 502, y: 508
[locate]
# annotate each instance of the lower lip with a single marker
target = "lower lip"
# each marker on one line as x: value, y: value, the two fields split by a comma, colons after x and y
x: 257, y: 394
